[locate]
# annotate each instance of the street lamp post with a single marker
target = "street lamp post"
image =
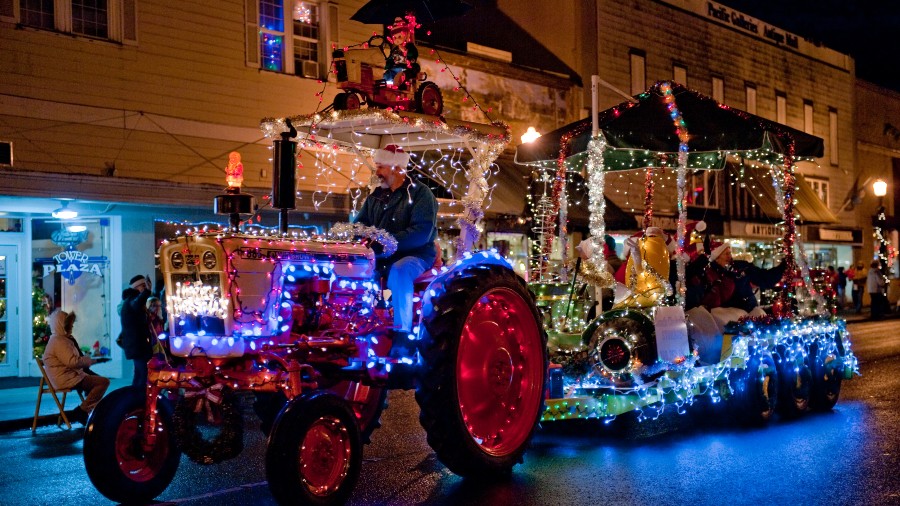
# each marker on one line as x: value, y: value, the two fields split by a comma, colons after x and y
x: 879, y: 187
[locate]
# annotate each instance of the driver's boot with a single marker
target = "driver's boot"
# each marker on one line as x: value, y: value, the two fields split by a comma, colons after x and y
x: 404, y: 352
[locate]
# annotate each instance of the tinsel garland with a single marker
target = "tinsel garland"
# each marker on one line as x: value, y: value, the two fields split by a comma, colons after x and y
x: 558, y: 189
x: 596, y: 270
x: 381, y: 236
x: 469, y: 221
x: 648, y: 199
x: 785, y: 184
x: 273, y: 127
x: 681, y: 183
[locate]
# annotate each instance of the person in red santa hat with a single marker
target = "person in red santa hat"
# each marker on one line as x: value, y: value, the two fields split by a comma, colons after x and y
x: 725, y: 282
x: 408, y: 211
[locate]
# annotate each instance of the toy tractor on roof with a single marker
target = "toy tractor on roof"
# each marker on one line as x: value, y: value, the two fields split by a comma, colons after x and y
x: 359, y: 73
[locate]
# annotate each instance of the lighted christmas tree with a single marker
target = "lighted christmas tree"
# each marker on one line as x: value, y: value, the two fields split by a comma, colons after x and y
x: 41, y: 329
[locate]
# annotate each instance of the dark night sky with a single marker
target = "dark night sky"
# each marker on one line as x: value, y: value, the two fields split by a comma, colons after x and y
x: 867, y: 30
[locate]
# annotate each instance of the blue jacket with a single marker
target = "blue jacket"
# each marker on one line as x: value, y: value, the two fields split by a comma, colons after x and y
x: 409, y: 214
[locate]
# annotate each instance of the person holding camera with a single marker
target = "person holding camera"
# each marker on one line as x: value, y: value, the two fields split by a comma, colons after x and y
x: 137, y: 336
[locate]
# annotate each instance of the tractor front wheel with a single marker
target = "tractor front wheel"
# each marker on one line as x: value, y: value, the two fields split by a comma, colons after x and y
x: 314, y: 453
x: 117, y: 461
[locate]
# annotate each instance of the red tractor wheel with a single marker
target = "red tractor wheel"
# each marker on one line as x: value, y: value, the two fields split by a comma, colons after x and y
x: 482, y: 387
x: 116, y: 460
x: 429, y: 99
x: 348, y: 101
x: 314, y: 453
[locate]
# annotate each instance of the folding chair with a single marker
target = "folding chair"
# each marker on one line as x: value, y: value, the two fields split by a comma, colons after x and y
x: 46, y: 387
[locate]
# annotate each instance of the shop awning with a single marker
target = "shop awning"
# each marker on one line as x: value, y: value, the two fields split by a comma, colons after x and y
x: 758, y: 182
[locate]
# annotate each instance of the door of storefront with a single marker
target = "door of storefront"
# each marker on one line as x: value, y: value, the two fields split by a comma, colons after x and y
x: 9, y: 311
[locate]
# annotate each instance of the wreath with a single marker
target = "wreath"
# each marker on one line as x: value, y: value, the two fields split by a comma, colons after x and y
x: 371, y: 234
x: 210, y: 407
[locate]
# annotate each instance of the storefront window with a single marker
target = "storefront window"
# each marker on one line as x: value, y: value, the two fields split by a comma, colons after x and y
x: 71, y: 266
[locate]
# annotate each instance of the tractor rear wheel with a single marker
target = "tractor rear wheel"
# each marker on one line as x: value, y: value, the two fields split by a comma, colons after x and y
x: 485, y: 364
x: 429, y: 99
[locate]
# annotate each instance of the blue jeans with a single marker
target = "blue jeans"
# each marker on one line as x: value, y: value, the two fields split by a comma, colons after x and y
x: 400, y: 283
x: 140, y: 373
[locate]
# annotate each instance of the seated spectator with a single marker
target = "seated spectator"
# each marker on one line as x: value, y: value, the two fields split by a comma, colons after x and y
x: 721, y: 282
x: 67, y: 367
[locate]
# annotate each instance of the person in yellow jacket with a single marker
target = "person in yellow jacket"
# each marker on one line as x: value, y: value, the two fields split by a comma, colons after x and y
x: 68, y: 367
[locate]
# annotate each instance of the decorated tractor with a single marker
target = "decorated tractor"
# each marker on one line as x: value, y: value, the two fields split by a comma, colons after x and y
x: 366, y: 76
x: 299, y: 323
x: 653, y: 347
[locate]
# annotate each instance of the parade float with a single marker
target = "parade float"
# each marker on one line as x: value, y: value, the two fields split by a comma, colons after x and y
x: 646, y: 354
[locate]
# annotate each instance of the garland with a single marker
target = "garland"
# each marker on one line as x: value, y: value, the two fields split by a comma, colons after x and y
x: 220, y: 409
x: 596, y: 269
x: 681, y: 183
x: 350, y: 230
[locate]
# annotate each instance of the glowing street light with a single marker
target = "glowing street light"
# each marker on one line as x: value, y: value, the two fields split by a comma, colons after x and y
x: 530, y: 135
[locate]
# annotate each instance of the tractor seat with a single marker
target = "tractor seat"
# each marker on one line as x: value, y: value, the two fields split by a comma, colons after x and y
x: 422, y: 282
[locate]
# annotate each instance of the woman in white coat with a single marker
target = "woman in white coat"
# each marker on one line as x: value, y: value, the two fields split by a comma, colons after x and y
x: 67, y: 367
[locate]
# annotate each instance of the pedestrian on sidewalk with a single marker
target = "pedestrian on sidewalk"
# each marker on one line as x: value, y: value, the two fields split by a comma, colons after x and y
x: 68, y: 367
x: 859, y: 283
x: 137, y: 339
x: 877, y: 288
x: 841, y: 288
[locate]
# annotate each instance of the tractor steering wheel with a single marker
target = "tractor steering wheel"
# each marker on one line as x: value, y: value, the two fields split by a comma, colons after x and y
x: 381, y: 45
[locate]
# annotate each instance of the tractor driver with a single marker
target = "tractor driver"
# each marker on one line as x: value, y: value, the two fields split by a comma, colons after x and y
x: 400, y: 65
x: 408, y: 211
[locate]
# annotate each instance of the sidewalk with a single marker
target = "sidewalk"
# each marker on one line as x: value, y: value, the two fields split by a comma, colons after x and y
x: 17, y: 406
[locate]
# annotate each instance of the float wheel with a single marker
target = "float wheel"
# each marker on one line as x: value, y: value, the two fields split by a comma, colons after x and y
x: 755, y: 390
x: 114, y: 455
x: 794, y: 384
x: 825, y: 387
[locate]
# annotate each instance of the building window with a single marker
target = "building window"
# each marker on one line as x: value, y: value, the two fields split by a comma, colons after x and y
x: 37, y: 14
x: 781, y: 107
x: 97, y: 19
x: 833, y: 135
x: 718, y: 89
x: 89, y: 18
x: 679, y: 74
x: 808, y: 116
x: 751, y: 98
x: 295, y: 46
x: 638, y: 72
x: 702, y: 190
x: 820, y: 186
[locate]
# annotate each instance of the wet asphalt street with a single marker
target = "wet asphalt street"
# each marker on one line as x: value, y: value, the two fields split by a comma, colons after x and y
x: 848, y: 456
